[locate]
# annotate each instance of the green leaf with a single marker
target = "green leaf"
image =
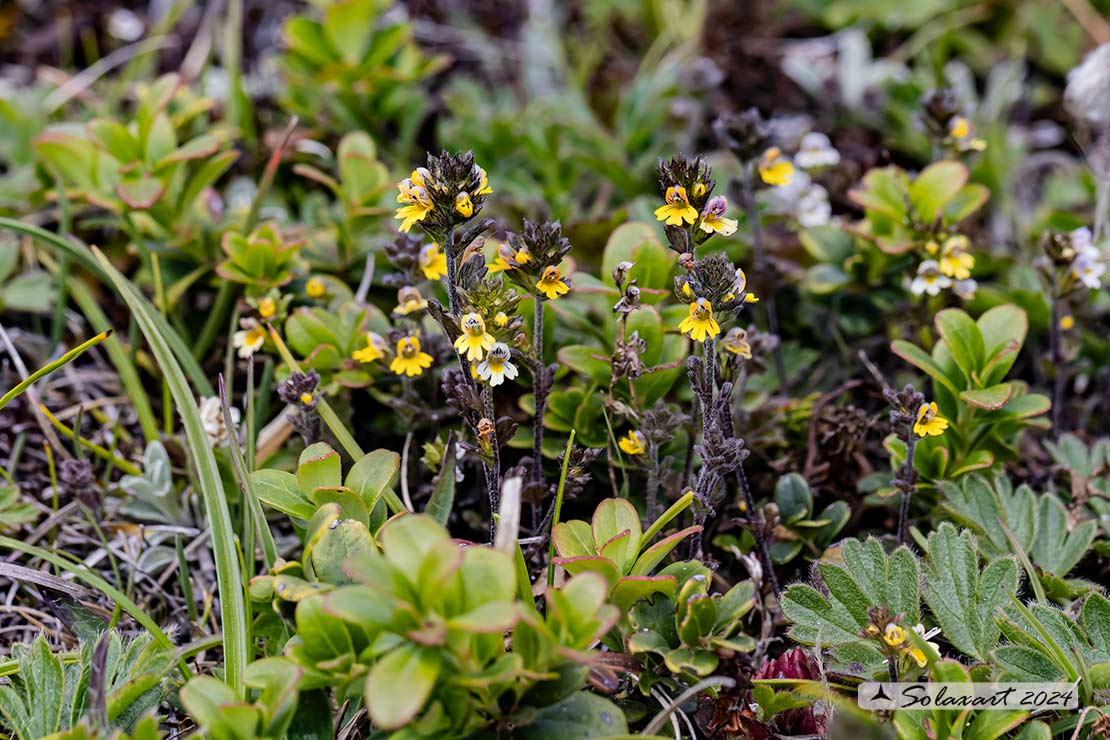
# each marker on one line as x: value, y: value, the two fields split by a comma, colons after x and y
x: 319, y: 467
x: 372, y: 476
x: 963, y: 339
x: 141, y: 191
x: 612, y: 517
x: 574, y: 539
x: 1095, y: 619
x: 935, y: 187
x: 793, y: 497
x: 921, y: 359
x: 991, y: 399
x: 399, y: 685
x: 828, y: 243
x: 443, y: 495
x: 581, y: 716
x: 962, y: 599
x: 31, y: 291
x: 279, y: 490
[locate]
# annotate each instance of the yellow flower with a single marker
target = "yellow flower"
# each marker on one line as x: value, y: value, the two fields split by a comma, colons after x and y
x: 634, y: 443
x: 929, y: 423
x: 315, y: 288
x: 409, y: 301
x: 959, y: 128
x: 894, y: 635
x: 713, y: 217
x: 496, y: 367
x: 410, y: 360
x: 774, y: 168
x: 700, y: 324
x: 483, y: 184
x: 523, y: 256
x: 551, y: 284
x: 501, y: 259
x: 699, y: 189
x: 501, y: 320
x: 464, y: 205
x: 677, y: 208
x: 412, y: 191
x: 736, y: 342
x: 686, y: 289
x: 932, y: 247
x: 249, y: 339
x: 474, y: 340
x: 433, y: 261
x: 1067, y: 322
x: 750, y: 297
x: 374, y: 349
x: 267, y: 307
x: 917, y: 654
x: 306, y: 398
x: 954, y: 259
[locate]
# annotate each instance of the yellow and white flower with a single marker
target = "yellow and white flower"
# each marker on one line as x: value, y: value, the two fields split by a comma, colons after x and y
x: 954, y: 258
x: 775, y: 168
x: 929, y: 421
x: 474, y: 340
x: 250, y: 338
x: 713, y: 217
x: 634, y: 443
x: 410, y: 360
x: 929, y: 279
x: 700, y: 324
x: 497, y: 367
x: 375, y: 349
x: 432, y: 261
x: 736, y: 342
x: 412, y: 191
x: 677, y: 208
x: 315, y: 287
x: 409, y: 301
x: 962, y: 134
x: 463, y: 205
x: 551, y: 283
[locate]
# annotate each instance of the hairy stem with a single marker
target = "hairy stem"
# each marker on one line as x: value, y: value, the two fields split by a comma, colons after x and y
x: 539, y: 390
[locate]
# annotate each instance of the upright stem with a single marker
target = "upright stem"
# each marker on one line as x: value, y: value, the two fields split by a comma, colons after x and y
x: 539, y: 390
x: 907, y: 471
x: 756, y: 518
x: 1059, y: 368
x: 752, y: 211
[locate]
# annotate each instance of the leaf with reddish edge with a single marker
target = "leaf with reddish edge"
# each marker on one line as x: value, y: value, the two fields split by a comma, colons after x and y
x: 489, y: 619
x: 991, y: 399
x: 613, y: 516
x: 631, y: 589
x: 654, y: 555
x: 604, y: 567
x: 140, y: 192
x: 574, y: 539
x: 616, y: 549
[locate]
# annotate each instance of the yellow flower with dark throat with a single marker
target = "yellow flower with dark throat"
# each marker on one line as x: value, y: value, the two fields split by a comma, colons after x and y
x: 700, y: 324
x: 501, y: 320
x: 736, y: 342
x: 474, y: 340
x: 410, y: 360
x: 713, y: 217
x: 774, y: 168
x: 315, y: 288
x: 496, y: 367
x: 463, y: 205
x: 894, y: 635
x: 699, y: 189
x: 929, y: 421
x: 419, y: 203
x: 374, y: 349
x: 954, y: 259
x: 551, y: 283
x: 267, y: 307
x: 634, y: 443
x: 409, y: 301
x: 433, y: 261
x: 677, y: 208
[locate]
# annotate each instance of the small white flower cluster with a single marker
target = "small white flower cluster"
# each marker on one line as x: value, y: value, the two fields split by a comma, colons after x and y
x: 1088, y: 266
x: 931, y: 280
x: 212, y: 419
x: 802, y: 198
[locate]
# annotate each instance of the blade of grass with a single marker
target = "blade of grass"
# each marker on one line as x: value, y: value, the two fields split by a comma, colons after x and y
x: 50, y: 367
x: 228, y: 573
x: 85, y: 257
x: 558, y: 511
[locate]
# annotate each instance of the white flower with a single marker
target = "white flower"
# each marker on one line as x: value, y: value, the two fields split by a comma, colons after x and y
x: 212, y: 418
x: 813, y: 207
x: 965, y: 289
x: 1087, y: 95
x: 929, y: 279
x: 815, y: 152
x: 496, y: 367
x: 1089, y: 270
x: 249, y: 339
x: 1082, y: 242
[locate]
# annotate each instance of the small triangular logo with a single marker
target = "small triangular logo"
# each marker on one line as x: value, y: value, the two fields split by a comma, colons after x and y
x: 880, y: 695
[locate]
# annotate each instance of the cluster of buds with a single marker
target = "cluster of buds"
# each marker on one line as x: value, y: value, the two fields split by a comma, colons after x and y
x: 77, y: 479
x: 746, y: 134
x: 532, y: 259
x: 299, y: 390
x: 945, y: 125
x: 450, y: 191
x: 690, y: 212
x: 1071, y: 262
